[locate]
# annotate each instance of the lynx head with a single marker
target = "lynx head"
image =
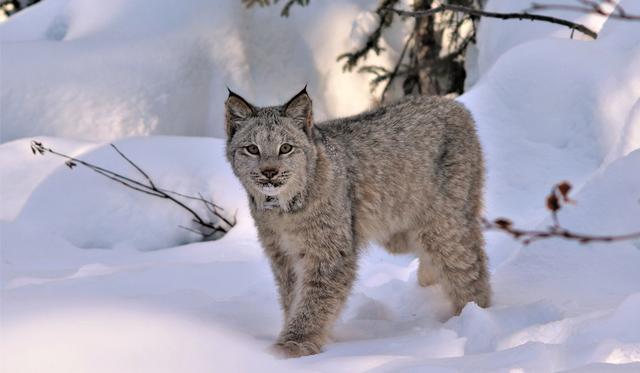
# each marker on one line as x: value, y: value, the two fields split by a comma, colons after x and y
x: 271, y: 149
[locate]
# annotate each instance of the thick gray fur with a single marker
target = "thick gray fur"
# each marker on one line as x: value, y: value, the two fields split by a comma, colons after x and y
x: 408, y: 176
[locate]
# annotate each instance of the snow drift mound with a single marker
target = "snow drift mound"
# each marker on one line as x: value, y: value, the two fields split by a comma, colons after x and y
x: 95, y: 70
x: 92, y: 211
x: 170, y: 343
x: 552, y: 109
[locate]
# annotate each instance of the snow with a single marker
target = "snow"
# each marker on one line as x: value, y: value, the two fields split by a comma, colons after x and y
x: 96, y: 277
x: 108, y: 74
x: 56, y: 196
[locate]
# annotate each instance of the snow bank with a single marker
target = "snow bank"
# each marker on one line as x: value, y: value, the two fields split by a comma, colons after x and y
x: 46, y: 343
x: 75, y: 202
x: 98, y: 71
x: 558, y: 305
x: 552, y: 109
x: 17, y: 184
x: 499, y: 36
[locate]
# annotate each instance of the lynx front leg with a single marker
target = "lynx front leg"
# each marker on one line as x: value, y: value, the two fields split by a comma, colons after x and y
x: 324, y: 279
x: 285, y: 278
x: 282, y: 269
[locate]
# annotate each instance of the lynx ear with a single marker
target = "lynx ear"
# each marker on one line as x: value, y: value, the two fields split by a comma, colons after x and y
x: 236, y: 109
x: 299, y: 109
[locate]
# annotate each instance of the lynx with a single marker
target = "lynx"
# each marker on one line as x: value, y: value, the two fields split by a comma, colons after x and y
x: 408, y: 176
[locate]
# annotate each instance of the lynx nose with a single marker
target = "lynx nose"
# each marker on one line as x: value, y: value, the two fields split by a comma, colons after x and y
x: 269, y: 172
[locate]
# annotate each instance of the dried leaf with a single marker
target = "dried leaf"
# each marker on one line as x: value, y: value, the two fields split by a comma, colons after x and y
x: 70, y: 164
x: 564, y: 188
x: 553, y: 203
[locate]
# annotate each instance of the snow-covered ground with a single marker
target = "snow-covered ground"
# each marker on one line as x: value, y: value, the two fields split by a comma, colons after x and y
x: 99, y: 278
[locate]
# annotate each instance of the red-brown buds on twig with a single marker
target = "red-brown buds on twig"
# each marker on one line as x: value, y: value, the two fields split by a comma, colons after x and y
x: 558, y: 196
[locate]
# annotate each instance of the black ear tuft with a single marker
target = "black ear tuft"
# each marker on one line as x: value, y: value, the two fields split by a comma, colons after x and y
x: 236, y: 108
x: 297, y: 95
x: 299, y: 109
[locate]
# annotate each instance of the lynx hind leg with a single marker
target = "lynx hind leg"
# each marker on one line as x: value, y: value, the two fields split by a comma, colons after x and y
x: 426, y: 274
x: 456, y: 253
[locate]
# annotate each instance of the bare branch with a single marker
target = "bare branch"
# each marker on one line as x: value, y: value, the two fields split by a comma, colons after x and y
x: 134, y: 165
x: 481, y: 13
x: 555, y: 200
x: 200, y: 198
x: 213, y: 208
x: 151, y: 188
x: 527, y: 236
x: 123, y: 182
x: 39, y: 148
x: 198, y: 232
x: 616, y: 12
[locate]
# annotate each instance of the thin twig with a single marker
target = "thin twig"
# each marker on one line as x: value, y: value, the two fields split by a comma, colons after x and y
x: 558, y: 197
x: 393, y: 74
x: 204, y: 235
x: 37, y: 146
x: 212, y: 207
x: 151, y: 188
x: 527, y: 236
x: 118, y: 180
x: 134, y: 165
x: 201, y: 199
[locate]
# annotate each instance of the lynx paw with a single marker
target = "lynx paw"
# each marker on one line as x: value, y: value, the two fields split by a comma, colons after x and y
x: 290, y: 349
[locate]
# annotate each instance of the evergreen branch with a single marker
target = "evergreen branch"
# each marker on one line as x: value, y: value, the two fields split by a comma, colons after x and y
x: 373, y: 40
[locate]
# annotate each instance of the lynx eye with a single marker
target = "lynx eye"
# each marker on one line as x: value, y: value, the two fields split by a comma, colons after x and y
x: 286, y: 148
x: 253, y: 149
